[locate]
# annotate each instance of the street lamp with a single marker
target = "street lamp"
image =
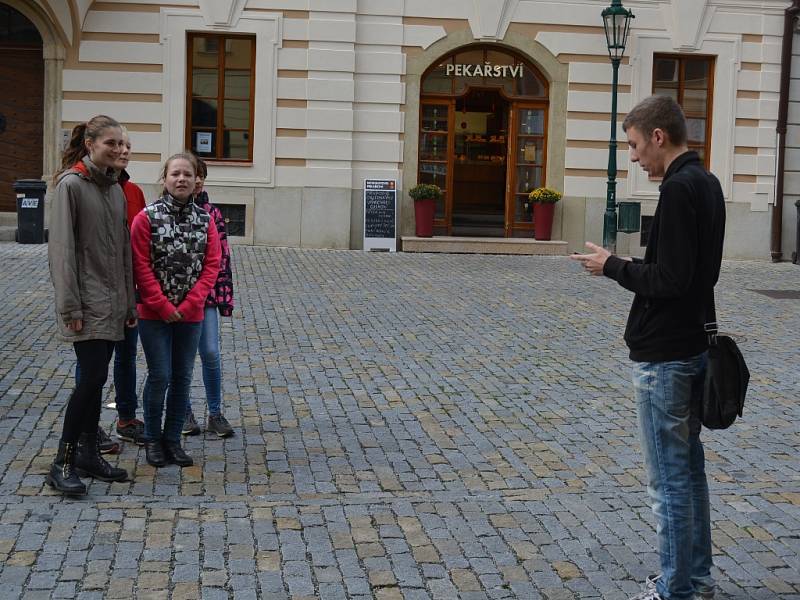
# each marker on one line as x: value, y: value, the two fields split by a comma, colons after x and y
x: 616, y: 22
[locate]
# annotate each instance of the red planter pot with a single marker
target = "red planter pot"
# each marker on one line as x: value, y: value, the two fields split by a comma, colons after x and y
x: 543, y: 220
x: 424, y: 211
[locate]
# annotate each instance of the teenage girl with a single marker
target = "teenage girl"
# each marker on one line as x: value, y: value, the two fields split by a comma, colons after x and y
x: 176, y: 256
x: 90, y: 266
x: 220, y: 299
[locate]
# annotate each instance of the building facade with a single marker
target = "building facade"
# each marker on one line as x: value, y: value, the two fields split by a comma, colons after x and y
x: 295, y: 102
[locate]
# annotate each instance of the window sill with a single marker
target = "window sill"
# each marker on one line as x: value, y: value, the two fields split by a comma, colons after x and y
x: 228, y: 163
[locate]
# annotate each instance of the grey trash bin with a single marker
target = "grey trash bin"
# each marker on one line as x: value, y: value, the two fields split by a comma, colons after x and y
x: 30, y: 210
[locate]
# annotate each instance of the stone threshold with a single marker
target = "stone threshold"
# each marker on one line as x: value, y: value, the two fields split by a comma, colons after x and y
x: 483, y: 245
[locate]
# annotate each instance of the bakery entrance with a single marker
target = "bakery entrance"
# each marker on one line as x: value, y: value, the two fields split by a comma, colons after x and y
x: 483, y: 140
x: 479, y: 166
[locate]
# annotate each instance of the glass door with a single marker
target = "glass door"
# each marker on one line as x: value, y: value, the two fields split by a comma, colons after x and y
x: 435, y: 154
x: 526, y: 165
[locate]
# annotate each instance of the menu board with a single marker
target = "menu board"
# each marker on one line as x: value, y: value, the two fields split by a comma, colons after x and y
x: 380, y: 214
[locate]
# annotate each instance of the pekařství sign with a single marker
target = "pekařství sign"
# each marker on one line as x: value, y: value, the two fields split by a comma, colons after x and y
x: 485, y: 70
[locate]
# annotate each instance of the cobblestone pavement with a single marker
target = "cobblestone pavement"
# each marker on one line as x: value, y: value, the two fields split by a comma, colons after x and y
x: 408, y: 426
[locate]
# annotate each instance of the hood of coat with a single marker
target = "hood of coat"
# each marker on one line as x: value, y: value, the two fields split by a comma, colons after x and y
x: 87, y: 170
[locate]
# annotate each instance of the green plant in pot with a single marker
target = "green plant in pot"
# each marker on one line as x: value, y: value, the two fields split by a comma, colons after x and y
x: 425, y: 196
x: 544, y: 202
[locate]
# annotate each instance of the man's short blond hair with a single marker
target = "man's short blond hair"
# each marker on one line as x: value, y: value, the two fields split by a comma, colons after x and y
x: 658, y: 112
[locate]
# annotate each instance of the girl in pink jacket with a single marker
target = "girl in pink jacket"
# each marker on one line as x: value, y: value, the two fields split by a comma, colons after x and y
x: 176, y: 257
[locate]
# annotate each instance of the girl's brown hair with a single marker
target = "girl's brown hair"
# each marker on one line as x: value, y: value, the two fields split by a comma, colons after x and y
x: 90, y: 130
x: 187, y: 156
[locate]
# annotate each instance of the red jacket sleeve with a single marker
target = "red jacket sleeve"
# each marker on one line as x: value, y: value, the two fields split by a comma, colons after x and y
x: 134, y: 200
x: 198, y: 294
x: 149, y: 288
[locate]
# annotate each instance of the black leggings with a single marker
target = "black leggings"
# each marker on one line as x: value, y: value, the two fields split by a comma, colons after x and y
x: 83, y: 409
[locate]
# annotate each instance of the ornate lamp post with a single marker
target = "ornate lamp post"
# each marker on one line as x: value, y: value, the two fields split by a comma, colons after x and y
x: 616, y: 21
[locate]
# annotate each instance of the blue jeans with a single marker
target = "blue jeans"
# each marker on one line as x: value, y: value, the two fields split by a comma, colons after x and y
x: 669, y: 396
x: 170, y: 350
x: 124, y: 374
x: 212, y: 365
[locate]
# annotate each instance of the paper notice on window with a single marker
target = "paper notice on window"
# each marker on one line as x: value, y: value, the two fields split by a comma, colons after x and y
x: 203, y: 141
x: 529, y: 153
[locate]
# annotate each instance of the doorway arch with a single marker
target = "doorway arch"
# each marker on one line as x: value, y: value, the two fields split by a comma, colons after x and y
x: 52, y: 53
x: 552, y: 72
x: 483, y: 139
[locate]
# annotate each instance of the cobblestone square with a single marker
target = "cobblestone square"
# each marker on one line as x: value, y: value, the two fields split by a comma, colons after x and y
x: 408, y: 426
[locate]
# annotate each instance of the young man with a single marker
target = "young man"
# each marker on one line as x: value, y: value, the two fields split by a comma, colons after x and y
x: 673, y: 287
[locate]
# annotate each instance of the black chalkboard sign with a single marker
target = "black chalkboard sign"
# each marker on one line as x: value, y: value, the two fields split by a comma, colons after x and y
x: 380, y: 214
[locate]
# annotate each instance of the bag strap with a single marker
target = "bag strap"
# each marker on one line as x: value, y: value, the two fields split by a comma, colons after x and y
x: 710, y: 326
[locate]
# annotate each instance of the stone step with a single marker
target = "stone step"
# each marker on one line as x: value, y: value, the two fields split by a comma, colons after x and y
x: 484, y: 245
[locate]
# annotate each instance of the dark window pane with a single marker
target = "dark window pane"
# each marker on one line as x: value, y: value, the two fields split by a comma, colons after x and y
x: 665, y: 72
x: 437, y: 175
x: 531, y: 121
x: 696, y: 130
x: 204, y: 82
x: 234, y: 217
x: 433, y: 146
x: 235, y: 145
x: 237, y: 114
x: 437, y: 81
x: 204, y: 113
x: 523, y: 213
x: 238, y: 53
x: 671, y: 92
x: 204, y: 53
x: 696, y: 73
x: 529, y: 84
x: 237, y: 84
x: 528, y: 179
x: 434, y: 117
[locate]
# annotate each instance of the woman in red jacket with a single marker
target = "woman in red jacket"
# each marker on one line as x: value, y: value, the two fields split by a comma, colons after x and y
x: 176, y: 256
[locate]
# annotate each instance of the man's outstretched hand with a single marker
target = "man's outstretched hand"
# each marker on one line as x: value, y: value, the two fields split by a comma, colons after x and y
x: 595, y: 260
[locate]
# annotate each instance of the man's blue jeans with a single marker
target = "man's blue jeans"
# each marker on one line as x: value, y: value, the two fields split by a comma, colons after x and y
x: 669, y: 396
x: 170, y: 350
x: 124, y: 374
x: 212, y: 365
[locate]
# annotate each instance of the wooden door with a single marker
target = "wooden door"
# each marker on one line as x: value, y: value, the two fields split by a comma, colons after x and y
x: 436, y: 156
x: 527, y: 156
x: 21, y: 115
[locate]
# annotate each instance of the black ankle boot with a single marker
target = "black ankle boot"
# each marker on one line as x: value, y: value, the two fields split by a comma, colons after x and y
x: 175, y: 454
x: 154, y: 452
x: 62, y: 475
x: 89, y: 462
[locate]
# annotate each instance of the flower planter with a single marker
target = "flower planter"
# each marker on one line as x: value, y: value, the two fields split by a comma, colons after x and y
x: 543, y: 220
x: 424, y: 211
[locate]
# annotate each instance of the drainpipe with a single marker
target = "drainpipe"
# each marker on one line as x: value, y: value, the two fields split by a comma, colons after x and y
x: 789, y: 20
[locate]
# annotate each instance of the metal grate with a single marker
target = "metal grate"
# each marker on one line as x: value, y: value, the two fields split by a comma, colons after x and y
x: 780, y: 294
x: 234, y: 215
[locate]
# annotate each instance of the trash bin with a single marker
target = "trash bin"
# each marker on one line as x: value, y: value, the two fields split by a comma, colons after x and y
x: 30, y: 210
x: 796, y: 254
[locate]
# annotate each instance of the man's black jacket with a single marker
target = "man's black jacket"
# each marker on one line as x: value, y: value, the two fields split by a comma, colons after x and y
x: 674, y: 282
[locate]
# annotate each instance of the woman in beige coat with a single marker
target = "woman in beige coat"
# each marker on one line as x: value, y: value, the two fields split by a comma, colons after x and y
x: 90, y: 266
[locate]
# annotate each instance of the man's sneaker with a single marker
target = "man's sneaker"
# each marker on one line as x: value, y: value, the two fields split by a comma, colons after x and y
x: 190, y: 426
x: 106, y: 444
x: 219, y: 425
x: 131, y: 431
x: 650, y: 586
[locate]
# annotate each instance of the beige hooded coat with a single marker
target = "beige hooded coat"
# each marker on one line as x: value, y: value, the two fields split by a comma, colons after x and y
x: 89, y: 251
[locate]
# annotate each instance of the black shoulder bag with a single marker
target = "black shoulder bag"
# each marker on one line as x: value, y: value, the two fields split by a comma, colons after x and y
x: 727, y: 377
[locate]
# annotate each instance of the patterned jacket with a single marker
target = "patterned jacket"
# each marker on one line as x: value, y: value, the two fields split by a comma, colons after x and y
x: 221, y: 295
x: 176, y: 256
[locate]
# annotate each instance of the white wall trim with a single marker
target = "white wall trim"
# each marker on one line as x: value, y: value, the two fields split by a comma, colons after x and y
x: 727, y: 49
x: 267, y: 27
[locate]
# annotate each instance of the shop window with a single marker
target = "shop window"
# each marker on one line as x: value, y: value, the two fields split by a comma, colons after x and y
x: 16, y: 29
x: 690, y: 81
x: 221, y: 96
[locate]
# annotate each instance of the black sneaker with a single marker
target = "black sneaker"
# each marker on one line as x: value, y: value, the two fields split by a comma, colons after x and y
x: 190, y: 426
x: 106, y: 444
x: 219, y: 424
x: 132, y: 431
